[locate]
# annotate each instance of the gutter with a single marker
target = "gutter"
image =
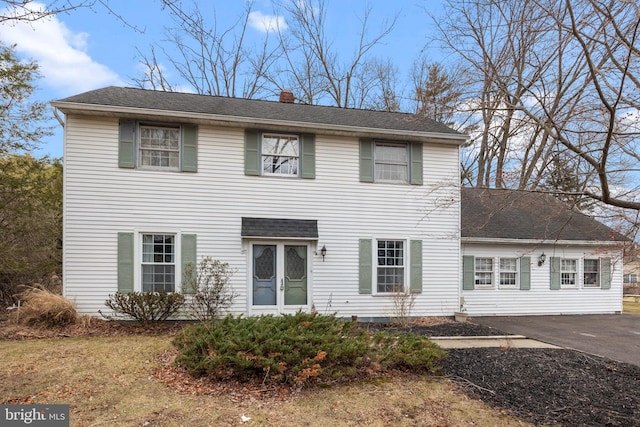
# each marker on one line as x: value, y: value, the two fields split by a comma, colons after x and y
x: 226, y: 120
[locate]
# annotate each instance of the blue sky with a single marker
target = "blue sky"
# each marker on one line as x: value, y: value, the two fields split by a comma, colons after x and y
x: 91, y: 48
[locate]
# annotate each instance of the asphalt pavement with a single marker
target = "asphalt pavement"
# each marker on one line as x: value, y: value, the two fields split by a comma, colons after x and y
x: 614, y: 336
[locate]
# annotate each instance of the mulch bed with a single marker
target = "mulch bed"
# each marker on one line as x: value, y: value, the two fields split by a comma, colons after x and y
x: 543, y: 386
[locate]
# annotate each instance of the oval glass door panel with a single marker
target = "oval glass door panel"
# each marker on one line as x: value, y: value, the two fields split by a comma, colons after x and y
x: 295, y: 275
x: 264, y: 275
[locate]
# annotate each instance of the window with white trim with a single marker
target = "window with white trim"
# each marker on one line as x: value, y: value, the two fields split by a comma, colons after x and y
x: 280, y: 155
x: 568, y: 272
x: 630, y: 278
x: 591, y: 274
x: 508, y: 272
x: 484, y: 272
x: 391, y: 162
x: 159, y: 147
x: 158, y: 262
x: 390, y: 266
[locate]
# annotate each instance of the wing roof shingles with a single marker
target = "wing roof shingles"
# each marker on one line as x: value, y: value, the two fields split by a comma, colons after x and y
x: 509, y: 214
x: 271, y: 110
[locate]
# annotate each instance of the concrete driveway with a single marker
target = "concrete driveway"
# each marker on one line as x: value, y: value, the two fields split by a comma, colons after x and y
x: 615, y: 336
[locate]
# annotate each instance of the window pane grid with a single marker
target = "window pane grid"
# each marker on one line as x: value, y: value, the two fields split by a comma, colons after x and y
x: 568, y: 272
x: 159, y: 147
x: 390, y: 273
x: 591, y: 272
x: 158, y: 262
x: 391, y: 162
x: 484, y: 271
x: 280, y: 155
x: 508, y: 271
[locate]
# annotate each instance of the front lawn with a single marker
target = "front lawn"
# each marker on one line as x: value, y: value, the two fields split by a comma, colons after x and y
x: 117, y: 381
x: 631, y: 305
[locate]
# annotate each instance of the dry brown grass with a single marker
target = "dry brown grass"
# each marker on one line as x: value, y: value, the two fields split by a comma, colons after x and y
x: 43, y: 308
x: 631, y: 305
x: 112, y: 381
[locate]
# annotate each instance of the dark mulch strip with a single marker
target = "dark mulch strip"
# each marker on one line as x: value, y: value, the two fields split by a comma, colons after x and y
x: 448, y: 329
x: 550, y: 386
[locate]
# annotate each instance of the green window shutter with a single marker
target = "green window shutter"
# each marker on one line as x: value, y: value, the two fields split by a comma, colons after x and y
x: 366, y: 267
x: 525, y: 273
x: 415, y: 274
x: 251, y: 152
x: 468, y: 272
x: 605, y: 273
x: 308, y: 151
x: 127, y: 144
x: 125, y: 262
x: 555, y: 273
x: 189, y: 260
x: 189, y: 148
x: 416, y: 163
x: 366, y: 160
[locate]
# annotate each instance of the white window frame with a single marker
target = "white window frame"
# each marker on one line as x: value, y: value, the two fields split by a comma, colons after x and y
x: 598, y: 273
x: 630, y: 278
x: 140, y: 149
x: 138, y: 233
x: 405, y: 267
x: 515, y: 272
x: 263, y: 155
x: 377, y: 162
x: 564, y: 270
x: 477, y: 271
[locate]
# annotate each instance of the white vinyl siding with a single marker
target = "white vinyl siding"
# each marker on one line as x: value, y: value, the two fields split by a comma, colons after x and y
x: 539, y: 298
x: 102, y: 200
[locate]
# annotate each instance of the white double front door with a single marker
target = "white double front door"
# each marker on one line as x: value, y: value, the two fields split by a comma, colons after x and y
x: 279, y: 281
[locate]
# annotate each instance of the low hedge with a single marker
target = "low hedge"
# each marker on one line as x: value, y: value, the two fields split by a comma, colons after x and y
x: 297, y: 349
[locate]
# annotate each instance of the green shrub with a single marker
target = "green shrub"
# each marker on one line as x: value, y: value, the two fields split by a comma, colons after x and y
x: 298, y: 348
x: 146, y: 307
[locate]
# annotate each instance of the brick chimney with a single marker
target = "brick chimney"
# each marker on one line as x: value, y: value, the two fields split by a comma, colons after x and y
x: 286, y: 96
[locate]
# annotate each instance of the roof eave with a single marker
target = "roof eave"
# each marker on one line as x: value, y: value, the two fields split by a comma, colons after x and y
x: 507, y: 241
x: 273, y: 124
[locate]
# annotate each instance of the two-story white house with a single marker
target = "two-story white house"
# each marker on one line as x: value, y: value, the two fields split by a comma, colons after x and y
x: 313, y: 207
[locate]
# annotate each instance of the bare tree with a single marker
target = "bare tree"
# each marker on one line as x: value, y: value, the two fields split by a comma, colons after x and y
x: 554, y: 74
x: 210, y: 60
x: 315, y: 70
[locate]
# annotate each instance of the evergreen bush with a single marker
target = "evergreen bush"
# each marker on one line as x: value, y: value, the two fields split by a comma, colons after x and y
x: 298, y: 349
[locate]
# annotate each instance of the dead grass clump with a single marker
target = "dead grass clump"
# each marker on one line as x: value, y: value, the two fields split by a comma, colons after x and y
x: 43, y: 308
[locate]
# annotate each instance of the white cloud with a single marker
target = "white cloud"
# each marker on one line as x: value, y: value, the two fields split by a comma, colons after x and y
x: 267, y: 23
x: 61, y: 54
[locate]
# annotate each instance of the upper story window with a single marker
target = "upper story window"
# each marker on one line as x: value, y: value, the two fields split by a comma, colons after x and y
x: 391, y: 162
x: 280, y: 154
x: 159, y: 147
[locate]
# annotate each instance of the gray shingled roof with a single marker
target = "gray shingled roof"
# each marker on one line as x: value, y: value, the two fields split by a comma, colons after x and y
x: 260, y: 110
x: 276, y: 227
x: 509, y: 214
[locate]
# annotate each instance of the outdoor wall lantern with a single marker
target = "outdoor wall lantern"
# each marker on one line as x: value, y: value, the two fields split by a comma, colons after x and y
x: 542, y: 259
x: 323, y: 252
